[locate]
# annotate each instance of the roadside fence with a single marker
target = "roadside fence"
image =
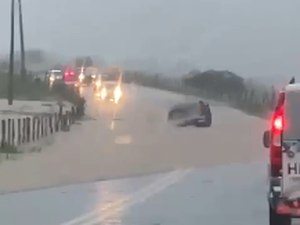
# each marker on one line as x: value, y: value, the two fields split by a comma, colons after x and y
x: 27, y: 129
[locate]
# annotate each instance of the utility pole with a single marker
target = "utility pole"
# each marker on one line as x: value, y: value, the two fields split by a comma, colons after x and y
x: 23, y: 68
x: 11, y: 55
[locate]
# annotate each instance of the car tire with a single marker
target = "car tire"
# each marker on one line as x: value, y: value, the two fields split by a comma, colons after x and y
x: 209, y: 120
x: 277, y: 219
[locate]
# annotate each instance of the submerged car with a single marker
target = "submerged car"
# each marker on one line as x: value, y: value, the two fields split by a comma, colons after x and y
x: 191, y: 114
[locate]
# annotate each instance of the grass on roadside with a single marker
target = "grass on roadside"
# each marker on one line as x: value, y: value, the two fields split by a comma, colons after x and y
x: 30, y: 89
x: 9, y: 149
x: 24, y: 89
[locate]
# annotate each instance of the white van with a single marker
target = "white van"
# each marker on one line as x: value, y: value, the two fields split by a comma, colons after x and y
x: 283, y: 141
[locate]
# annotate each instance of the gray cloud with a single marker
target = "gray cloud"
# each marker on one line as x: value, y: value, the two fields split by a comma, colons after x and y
x: 249, y: 37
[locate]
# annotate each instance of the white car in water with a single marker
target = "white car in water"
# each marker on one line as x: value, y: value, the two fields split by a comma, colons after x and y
x: 191, y: 114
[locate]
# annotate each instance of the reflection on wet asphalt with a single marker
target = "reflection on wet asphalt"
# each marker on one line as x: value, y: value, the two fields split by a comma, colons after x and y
x: 58, y: 205
x: 233, y: 194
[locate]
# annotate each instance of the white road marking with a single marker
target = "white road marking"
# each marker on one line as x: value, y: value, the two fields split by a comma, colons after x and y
x: 112, y: 124
x: 123, y: 140
x: 138, y: 199
x: 119, y: 202
x: 109, y: 210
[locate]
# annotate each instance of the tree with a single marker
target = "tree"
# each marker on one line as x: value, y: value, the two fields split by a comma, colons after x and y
x: 35, y: 56
x: 216, y: 83
x: 88, y: 62
x: 84, y: 62
x: 79, y: 62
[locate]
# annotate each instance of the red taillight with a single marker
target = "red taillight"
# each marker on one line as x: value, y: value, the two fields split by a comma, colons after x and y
x: 69, y: 73
x: 276, y: 143
x: 278, y: 123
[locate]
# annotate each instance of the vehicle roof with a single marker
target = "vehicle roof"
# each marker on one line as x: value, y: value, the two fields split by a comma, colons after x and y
x: 110, y: 84
x: 55, y: 70
x: 292, y: 87
x: 187, y: 105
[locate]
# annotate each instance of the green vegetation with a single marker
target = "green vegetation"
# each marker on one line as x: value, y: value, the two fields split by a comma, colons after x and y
x: 67, y: 93
x: 24, y: 89
x: 35, y: 89
x: 9, y: 149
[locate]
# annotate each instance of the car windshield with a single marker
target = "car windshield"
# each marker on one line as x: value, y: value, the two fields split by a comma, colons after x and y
x: 110, y: 77
x: 110, y: 86
x: 57, y: 73
x: 133, y: 146
x: 292, y: 115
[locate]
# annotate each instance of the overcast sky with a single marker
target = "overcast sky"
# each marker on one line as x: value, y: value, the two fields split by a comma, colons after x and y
x: 249, y: 37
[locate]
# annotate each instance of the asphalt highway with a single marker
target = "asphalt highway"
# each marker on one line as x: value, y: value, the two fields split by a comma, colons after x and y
x: 190, y: 175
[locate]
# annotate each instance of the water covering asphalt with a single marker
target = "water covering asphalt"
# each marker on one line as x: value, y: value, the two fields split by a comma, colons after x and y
x: 231, y: 194
x: 217, y: 181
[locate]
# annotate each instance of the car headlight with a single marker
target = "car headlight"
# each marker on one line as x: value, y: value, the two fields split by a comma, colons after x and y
x: 117, y: 94
x: 81, y: 77
x: 103, y: 93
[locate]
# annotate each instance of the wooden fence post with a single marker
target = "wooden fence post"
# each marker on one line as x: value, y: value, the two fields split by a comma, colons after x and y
x: 23, y: 130
x: 3, y: 131
x: 28, y: 123
x: 13, y: 132
x: 33, y: 128
x: 38, y: 128
x: 19, y: 132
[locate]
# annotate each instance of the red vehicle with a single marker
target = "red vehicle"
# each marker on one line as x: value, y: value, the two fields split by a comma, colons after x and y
x: 70, y: 75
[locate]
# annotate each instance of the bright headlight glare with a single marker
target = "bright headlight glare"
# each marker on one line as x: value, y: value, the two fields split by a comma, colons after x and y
x: 103, y: 93
x: 81, y: 76
x: 117, y: 91
x: 117, y: 94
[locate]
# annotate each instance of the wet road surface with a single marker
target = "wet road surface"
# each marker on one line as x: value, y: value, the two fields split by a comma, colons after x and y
x: 219, y: 172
